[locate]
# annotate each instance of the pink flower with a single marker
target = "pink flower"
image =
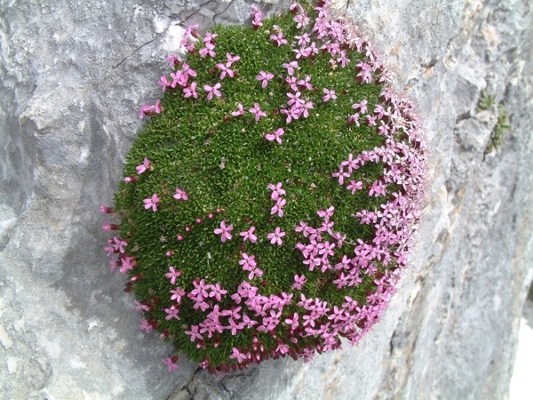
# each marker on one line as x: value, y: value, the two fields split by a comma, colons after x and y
x: 249, y: 235
x: 225, y: 71
x: 181, y: 195
x: 151, y: 202
x: 275, y: 237
x: 276, y: 190
x: 171, y: 365
x: 146, y: 326
x: 290, y: 67
x: 329, y: 94
x: 173, y: 274
x: 275, y: 135
x: 264, y: 77
x: 354, y: 186
x: 278, y: 207
x: 299, y: 282
x: 256, y: 110
x: 172, y: 312
x: 240, y: 112
x: 190, y: 91
x: 141, y: 307
x: 212, y: 90
x: 238, y: 355
x: 193, y: 333
x: 231, y: 59
x: 208, y: 50
x: 177, y: 294
x: 224, y: 231
x: 164, y: 83
x: 217, y: 292
x: 143, y: 167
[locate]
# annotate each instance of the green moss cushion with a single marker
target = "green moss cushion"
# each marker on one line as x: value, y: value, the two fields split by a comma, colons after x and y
x: 270, y: 201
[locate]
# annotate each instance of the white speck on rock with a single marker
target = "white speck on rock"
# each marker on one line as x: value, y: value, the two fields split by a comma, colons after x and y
x: 160, y: 24
x: 11, y: 364
x: 171, y: 42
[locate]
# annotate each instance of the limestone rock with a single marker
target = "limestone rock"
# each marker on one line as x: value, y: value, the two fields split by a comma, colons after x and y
x: 73, y: 75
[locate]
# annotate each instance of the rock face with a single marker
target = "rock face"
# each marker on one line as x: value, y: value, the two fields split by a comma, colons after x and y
x: 73, y: 75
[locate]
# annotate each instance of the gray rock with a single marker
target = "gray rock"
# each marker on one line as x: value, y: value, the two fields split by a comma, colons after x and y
x: 73, y: 75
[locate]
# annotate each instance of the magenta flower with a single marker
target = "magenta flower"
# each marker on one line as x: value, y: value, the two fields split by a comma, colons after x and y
x: 193, y: 333
x: 249, y: 235
x: 151, y: 202
x: 275, y: 237
x: 208, y: 50
x: 278, y: 39
x: 256, y: 110
x: 190, y: 91
x: 231, y: 59
x: 299, y: 282
x: 238, y: 355
x: 354, y: 186
x: 212, y: 90
x: 143, y: 167
x: 225, y: 71
x: 224, y: 232
x: 264, y: 77
x: 217, y: 292
x: 188, y: 70
x: 238, y: 113
x: 173, y: 275
x: 290, y: 67
x: 177, y: 294
x: 275, y: 135
x: 172, y: 312
x: 276, y: 190
x: 164, y: 83
x: 181, y: 195
x: 171, y: 365
x: 146, y: 326
x: 329, y: 94
x: 141, y: 307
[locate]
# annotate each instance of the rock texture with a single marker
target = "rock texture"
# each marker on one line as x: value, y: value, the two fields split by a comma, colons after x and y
x: 73, y: 75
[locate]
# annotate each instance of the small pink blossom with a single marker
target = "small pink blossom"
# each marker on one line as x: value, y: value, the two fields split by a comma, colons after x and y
x: 170, y: 363
x: 264, y: 77
x: 173, y: 275
x: 238, y: 355
x: 151, y: 202
x: 240, y: 112
x: 276, y: 190
x: 256, y: 110
x: 275, y: 136
x: 299, y: 282
x: 181, y: 195
x: 328, y: 95
x: 249, y: 235
x: 143, y: 167
x: 224, y: 232
x: 190, y: 91
x: 212, y: 90
x: 275, y: 237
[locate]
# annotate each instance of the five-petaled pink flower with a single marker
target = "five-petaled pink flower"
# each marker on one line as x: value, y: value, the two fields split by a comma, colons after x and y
x: 151, y: 202
x: 264, y: 77
x: 173, y: 274
x: 329, y: 94
x: 238, y: 355
x: 276, y: 190
x: 143, y: 167
x: 275, y: 135
x: 181, y: 194
x: 212, y: 90
x: 256, y: 110
x: 299, y: 282
x: 238, y: 113
x: 171, y: 364
x: 249, y: 235
x: 224, y: 232
x: 275, y: 237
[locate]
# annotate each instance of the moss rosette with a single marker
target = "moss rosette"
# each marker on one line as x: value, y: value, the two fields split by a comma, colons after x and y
x: 270, y: 201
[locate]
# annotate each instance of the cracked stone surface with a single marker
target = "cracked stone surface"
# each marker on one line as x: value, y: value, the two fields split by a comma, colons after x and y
x: 73, y: 75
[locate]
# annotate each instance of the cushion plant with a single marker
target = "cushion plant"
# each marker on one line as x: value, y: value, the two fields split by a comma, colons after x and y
x: 269, y: 203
